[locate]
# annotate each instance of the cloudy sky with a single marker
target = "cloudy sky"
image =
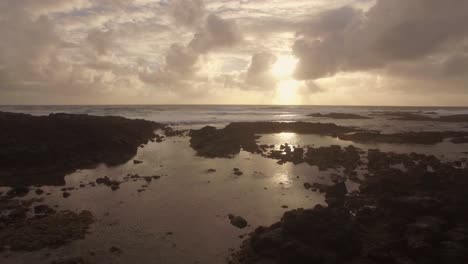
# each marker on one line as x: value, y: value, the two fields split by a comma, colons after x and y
x: 338, y: 52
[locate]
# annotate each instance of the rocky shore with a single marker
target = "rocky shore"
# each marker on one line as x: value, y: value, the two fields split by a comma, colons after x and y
x: 42, y: 149
x: 339, y: 116
x: 415, y: 215
x: 211, y: 142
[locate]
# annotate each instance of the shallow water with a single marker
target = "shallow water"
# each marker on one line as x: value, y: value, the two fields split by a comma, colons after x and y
x: 189, y: 202
x: 192, y: 204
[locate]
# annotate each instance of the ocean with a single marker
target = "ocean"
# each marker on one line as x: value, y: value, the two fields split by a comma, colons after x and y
x: 220, y: 114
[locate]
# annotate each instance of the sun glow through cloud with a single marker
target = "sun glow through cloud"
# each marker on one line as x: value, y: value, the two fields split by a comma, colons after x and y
x: 287, y: 87
x: 284, y: 67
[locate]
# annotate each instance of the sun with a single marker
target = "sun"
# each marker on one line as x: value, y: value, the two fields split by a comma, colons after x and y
x: 284, y: 67
x: 287, y: 86
x: 286, y: 92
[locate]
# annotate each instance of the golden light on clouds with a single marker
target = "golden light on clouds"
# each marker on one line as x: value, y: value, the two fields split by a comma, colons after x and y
x: 261, y: 52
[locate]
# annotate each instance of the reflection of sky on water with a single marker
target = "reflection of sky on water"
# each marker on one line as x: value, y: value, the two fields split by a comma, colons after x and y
x: 193, y: 204
x: 189, y: 202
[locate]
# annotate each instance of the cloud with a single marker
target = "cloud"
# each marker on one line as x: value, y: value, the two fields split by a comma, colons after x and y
x: 118, y: 51
x: 259, y: 71
x: 216, y: 33
x: 347, y: 39
x: 101, y: 41
x: 181, y: 62
x: 188, y: 13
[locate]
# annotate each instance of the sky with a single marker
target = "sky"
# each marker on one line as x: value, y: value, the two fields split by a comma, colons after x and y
x: 319, y: 52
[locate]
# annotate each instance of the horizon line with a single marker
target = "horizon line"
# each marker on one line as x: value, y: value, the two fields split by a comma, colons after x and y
x: 279, y: 105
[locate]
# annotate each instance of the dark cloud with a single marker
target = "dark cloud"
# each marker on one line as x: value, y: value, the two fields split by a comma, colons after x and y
x: 216, y: 33
x: 187, y: 13
x: 347, y: 39
x: 259, y: 71
x: 181, y: 60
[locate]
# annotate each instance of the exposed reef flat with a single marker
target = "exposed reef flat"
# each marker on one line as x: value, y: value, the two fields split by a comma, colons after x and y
x: 416, y: 116
x: 45, y: 228
x: 42, y: 149
x: 212, y: 142
x: 416, y: 215
x: 339, y: 116
x: 425, y: 138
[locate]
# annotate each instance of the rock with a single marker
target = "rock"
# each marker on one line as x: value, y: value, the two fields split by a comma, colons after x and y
x: 137, y: 161
x: 307, y: 185
x: 114, y: 185
x: 51, y: 230
x: 34, y: 151
x: 224, y: 143
x: 39, y: 191
x: 66, y: 194
x: 238, y: 173
x: 237, y: 221
x: 338, y: 190
x: 211, y: 171
x: 148, y: 178
x: 18, y: 212
x: 115, y: 250
x: 43, y: 209
x: 339, y: 116
x: 319, y: 235
x: 18, y: 191
x: 73, y: 260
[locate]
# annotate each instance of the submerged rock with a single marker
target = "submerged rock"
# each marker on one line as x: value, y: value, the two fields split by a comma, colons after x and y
x: 52, y: 230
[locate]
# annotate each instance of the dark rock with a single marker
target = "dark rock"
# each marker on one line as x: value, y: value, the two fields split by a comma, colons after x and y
x: 319, y: 235
x: 211, y: 170
x: 34, y: 151
x: 18, y: 212
x: 237, y: 221
x: 43, y: 209
x: 18, y: 191
x: 73, y: 260
x: 39, y: 191
x: 66, y: 194
x: 339, y: 116
x: 137, y: 161
x: 224, y: 143
x: 424, y: 137
x: 115, y: 250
